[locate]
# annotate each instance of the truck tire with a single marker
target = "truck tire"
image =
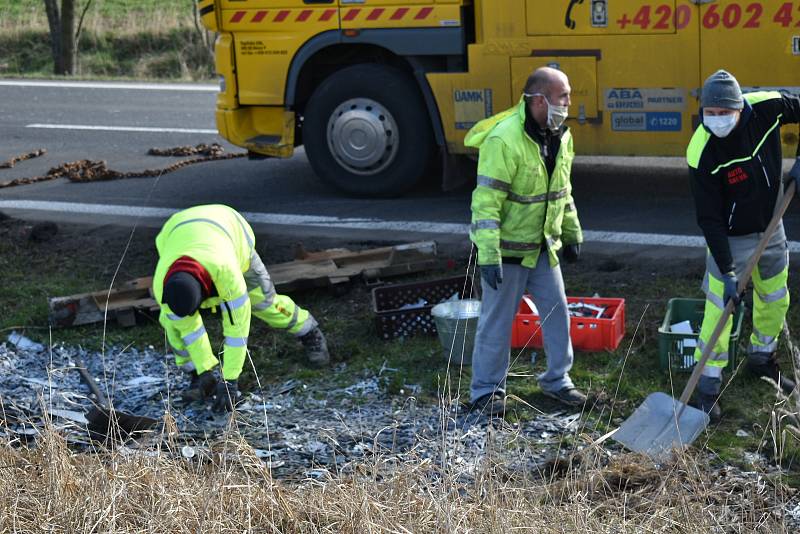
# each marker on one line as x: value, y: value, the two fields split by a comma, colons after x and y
x: 367, y: 132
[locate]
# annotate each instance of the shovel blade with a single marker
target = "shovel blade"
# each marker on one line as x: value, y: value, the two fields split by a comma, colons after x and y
x: 653, y: 429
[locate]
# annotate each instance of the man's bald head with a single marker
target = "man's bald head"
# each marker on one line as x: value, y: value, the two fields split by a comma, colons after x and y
x: 542, y: 78
x: 546, y: 87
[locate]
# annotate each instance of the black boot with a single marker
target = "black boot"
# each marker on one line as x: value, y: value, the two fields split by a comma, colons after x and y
x: 227, y: 396
x: 710, y: 405
x: 770, y: 369
x: 707, y: 398
x: 201, y: 388
x: 316, y: 348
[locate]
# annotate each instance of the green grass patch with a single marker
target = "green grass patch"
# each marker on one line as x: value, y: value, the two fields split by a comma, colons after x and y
x: 77, y: 261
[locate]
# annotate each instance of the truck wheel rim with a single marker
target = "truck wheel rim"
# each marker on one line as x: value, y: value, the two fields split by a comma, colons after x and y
x: 363, y: 136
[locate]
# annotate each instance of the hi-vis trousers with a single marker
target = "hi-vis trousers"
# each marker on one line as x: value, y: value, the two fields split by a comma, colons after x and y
x: 770, y: 299
x: 278, y: 311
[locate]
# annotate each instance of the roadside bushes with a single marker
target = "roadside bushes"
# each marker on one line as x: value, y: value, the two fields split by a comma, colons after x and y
x: 177, y: 53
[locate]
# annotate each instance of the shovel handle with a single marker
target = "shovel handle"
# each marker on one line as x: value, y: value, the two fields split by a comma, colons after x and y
x: 780, y: 209
x: 89, y: 380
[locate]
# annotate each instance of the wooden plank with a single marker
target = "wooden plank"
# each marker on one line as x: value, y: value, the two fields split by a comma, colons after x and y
x: 317, y: 269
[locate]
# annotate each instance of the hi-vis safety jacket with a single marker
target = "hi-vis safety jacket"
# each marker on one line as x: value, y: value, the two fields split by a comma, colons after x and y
x: 220, y: 240
x: 736, y: 180
x: 516, y: 207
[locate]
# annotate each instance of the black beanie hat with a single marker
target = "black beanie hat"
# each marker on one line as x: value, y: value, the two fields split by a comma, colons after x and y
x: 183, y: 294
x: 721, y: 90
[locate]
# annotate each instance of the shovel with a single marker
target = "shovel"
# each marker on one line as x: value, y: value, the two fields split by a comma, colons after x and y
x: 105, y: 423
x: 662, y: 423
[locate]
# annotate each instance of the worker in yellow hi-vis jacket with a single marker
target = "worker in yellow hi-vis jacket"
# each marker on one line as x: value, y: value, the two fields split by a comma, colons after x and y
x: 207, y: 259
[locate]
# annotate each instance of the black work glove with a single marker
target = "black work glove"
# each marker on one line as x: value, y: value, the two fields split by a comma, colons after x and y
x: 492, y: 275
x: 572, y: 252
x: 794, y: 176
x: 731, y: 288
x: 226, y: 397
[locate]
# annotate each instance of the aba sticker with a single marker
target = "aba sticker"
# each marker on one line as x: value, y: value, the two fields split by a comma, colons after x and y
x: 645, y: 99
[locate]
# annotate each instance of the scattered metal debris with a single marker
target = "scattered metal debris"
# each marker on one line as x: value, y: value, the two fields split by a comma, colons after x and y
x: 298, y: 428
x: 23, y: 343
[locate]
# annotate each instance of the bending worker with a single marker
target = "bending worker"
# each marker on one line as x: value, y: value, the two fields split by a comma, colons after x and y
x: 735, y: 163
x: 522, y: 212
x: 207, y: 259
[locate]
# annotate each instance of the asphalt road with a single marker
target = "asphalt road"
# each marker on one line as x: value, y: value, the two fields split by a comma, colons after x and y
x: 644, y: 196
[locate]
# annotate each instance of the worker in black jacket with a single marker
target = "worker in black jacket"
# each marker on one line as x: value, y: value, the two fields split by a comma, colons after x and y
x: 735, y: 163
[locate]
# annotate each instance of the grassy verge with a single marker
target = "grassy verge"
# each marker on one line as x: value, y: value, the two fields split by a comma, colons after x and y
x: 617, y: 380
x: 152, y: 40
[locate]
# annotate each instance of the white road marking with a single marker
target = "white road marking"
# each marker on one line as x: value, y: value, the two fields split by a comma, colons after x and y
x: 321, y: 221
x: 121, y: 128
x: 113, y: 85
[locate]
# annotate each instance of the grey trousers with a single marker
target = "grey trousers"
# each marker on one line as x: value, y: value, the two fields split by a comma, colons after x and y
x: 491, y: 355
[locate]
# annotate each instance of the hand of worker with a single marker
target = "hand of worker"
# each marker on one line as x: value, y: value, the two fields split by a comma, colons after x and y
x: 572, y: 252
x: 731, y: 290
x: 492, y: 275
x: 226, y: 396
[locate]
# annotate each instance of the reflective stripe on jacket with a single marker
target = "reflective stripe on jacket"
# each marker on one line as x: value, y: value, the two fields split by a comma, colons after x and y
x: 736, y: 180
x: 218, y: 238
x: 516, y: 207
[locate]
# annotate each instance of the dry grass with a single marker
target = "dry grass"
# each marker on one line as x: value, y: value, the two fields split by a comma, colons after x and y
x: 51, y: 488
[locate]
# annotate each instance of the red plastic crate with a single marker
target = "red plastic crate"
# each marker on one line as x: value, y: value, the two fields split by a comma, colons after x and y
x: 587, y: 334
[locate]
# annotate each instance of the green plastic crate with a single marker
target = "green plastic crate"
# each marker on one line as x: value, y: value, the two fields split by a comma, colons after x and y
x: 673, y: 352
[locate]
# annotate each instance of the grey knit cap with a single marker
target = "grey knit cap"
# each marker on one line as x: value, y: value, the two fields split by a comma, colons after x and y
x: 721, y: 90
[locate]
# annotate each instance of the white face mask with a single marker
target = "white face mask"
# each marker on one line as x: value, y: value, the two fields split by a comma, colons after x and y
x: 720, y: 125
x: 556, y: 115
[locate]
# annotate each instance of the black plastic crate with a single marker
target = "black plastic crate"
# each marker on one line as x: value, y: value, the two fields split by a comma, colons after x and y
x: 393, y: 322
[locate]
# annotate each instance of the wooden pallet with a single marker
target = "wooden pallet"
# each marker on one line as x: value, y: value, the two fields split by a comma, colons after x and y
x: 310, y: 269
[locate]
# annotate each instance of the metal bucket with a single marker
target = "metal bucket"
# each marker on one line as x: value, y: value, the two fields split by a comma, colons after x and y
x: 456, y: 323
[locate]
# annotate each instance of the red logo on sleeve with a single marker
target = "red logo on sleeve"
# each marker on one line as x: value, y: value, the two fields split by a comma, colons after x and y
x: 737, y: 175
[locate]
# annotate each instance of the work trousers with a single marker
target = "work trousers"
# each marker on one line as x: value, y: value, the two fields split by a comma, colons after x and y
x: 770, y: 303
x: 491, y: 355
x: 278, y: 311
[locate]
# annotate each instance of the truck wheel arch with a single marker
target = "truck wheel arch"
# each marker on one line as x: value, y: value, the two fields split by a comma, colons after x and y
x: 397, y: 47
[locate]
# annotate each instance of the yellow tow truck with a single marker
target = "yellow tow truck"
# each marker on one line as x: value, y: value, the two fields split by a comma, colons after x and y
x: 377, y: 89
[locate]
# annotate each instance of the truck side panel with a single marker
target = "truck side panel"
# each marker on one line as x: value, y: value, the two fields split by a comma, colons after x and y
x: 636, y: 66
x: 609, y: 72
x: 266, y: 35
